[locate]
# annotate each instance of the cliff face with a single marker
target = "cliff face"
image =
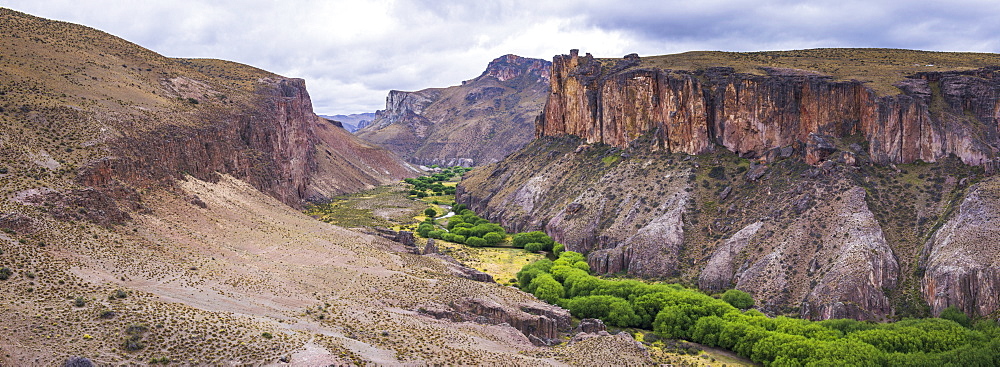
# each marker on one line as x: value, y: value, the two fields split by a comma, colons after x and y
x: 962, y: 259
x: 937, y: 113
x: 278, y: 145
x: 478, y: 122
x: 811, y: 192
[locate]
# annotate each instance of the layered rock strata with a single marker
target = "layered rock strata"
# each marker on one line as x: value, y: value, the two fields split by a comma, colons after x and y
x: 936, y: 113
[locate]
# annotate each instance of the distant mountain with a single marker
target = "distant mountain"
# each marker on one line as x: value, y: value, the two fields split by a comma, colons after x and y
x: 478, y: 122
x: 352, y: 122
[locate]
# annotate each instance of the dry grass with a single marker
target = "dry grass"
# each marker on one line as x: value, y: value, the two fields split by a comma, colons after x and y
x: 881, y: 68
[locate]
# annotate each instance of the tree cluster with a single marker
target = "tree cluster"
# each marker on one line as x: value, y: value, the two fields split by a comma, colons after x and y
x: 676, y: 312
x: 432, y: 185
x: 466, y: 228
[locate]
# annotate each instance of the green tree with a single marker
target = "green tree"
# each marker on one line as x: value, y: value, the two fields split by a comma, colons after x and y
x: 534, y: 247
x: 475, y: 242
x: 522, y: 239
x: 430, y: 212
x: 558, y: 248
x: 739, y: 299
x: 454, y: 221
x: 546, y: 288
x: 493, y: 238
x: 424, y: 228
x: 954, y: 314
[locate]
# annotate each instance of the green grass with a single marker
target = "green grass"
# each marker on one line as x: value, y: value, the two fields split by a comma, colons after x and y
x: 385, y: 206
x: 500, y: 262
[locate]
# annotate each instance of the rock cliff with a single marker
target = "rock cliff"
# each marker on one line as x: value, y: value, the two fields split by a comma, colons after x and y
x: 961, y: 261
x: 936, y: 113
x: 478, y: 122
x: 834, y: 241
x: 852, y: 189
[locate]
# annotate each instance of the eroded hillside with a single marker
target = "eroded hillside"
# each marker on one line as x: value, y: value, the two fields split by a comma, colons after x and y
x: 478, y: 122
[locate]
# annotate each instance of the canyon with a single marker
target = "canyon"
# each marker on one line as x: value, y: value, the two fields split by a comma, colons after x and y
x: 151, y: 212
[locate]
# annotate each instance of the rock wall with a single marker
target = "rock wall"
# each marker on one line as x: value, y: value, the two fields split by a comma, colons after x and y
x: 961, y: 261
x: 937, y: 113
x: 277, y: 144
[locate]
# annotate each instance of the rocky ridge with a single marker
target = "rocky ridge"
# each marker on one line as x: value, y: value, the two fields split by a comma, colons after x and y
x: 478, y: 122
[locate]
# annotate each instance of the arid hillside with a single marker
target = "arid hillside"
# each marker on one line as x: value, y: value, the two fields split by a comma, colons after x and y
x: 149, y: 215
x: 475, y: 123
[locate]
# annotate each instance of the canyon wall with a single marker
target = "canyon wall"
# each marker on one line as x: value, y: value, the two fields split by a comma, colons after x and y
x: 935, y: 115
x: 276, y: 143
x: 818, y: 196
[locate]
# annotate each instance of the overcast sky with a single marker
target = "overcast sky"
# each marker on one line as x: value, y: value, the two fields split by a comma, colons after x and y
x: 351, y: 53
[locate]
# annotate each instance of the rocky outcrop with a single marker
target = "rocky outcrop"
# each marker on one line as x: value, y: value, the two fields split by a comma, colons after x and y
x: 478, y: 122
x: 460, y: 270
x: 937, y: 113
x: 590, y: 326
x: 961, y: 262
x: 541, y: 323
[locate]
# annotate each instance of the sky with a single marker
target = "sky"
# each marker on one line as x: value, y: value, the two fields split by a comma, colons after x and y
x: 351, y: 53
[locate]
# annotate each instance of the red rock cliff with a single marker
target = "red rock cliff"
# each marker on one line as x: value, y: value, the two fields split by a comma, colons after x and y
x: 937, y: 113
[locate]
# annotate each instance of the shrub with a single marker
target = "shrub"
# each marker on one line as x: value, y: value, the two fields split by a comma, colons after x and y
x: 737, y: 298
x: 424, y: 228
x: 534, y: 247
x: 954, y: 314
x: 523, y: 239
x: 430, y: 212
x: 475, y: 242
x: 458, y: 239
x: 266, y: 335
x: 5, y: 273
x: 133, y: 343
x: 558, y: 249
x: 493, y: 238
x: 79, y: 301
x: 546, y: 288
